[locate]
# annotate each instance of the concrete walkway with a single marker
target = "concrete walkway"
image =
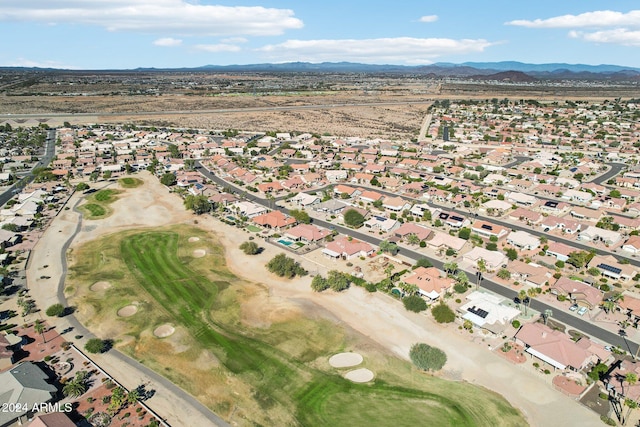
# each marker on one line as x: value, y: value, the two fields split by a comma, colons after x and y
x: 46, y: 272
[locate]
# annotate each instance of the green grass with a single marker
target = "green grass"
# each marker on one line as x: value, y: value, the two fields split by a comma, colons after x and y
x: 129, y: 182
x: 94, y: 210
x: 279, y: 366
x: 105, y: 196
x: 97, y: 206
x: 253, y: 228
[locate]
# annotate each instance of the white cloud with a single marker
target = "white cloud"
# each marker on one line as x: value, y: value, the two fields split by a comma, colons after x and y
x: 428, y: 18
x: 154, y: 16
x: 221, y: 47
x: 620, y: 36
x: 234, y: 40
x: 393, y: 50
x: 167, y: 42
x: 596, y: 19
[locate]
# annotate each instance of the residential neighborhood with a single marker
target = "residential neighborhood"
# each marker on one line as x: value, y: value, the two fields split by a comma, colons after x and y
x: 524, y: 219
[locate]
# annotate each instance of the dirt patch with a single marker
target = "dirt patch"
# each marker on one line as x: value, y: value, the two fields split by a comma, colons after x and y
x: 193, y: 239
x: 345, y: 360
x: 100, y: 286
x: 259, y: 309
x: 362, y: 375
x: 128, y: 310
x: 199, y: 253
x: 164, y: 331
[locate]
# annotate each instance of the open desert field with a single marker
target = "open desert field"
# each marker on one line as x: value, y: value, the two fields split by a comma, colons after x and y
x: 390, y: 107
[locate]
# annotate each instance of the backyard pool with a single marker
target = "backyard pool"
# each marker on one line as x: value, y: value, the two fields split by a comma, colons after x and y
x: 285, y: 242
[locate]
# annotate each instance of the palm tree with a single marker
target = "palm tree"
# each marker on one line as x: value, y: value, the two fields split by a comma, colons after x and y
x: 133, y: 396
x: 74, y: 388
x: 408, y: 288
x: 546, y: 314
x: 610, y: 303
x: 522, y: 295
x: 450, y: 267
x: 38, y: 327
x: 413, y: 239
x: 531, y: 293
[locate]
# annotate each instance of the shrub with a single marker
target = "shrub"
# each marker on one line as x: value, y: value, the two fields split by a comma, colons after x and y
x: 426, y: 357
x: 95, y: 345
x: 284, y: 266
x: 250, y: 248
x: 370, y: 287
x: 319, y: 283
x: 516, y: 324
x: 450, y: 252
x: 337, y: 280
x: 442, y: 313
x: 414, y: 303
x: 56, y: 310
x: 460, y: 288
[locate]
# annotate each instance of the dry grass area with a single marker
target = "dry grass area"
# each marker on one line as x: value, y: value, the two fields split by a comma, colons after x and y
x: 203, y: 101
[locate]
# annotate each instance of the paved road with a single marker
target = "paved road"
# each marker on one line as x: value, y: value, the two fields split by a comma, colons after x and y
x: 615, y: 169
x: 49, y: 151
x: 564, y: 317
x: 119, y: 364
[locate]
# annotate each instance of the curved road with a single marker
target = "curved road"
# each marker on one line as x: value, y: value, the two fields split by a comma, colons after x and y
x: 564, y: 317
x: 111, y: 360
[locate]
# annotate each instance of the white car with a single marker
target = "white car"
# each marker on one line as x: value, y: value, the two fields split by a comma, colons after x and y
x: 582, y: 311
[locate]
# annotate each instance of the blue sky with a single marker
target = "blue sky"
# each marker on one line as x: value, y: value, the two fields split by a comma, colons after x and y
x: 124, y: 34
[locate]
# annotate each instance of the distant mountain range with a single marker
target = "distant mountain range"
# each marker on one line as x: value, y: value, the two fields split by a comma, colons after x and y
x: 503, y: 71
x: 508, y: 70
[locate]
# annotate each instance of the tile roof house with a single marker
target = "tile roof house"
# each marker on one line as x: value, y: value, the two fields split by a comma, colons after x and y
x: 441, y: 241
x: 486, y: 229
x: 615, y: 379
x: 523, y: 240
x: 274, y: 219
x: 611, y: 268
x: 346, y: 248
x: 557, y: 348
x: 493, y: 259
x: 595, y: 234
x: 559, y: 250
x: 578, y: 292
x: 429, y: 282
x: 306, y: 233
x: 409, y: 228
x: 632, y: 245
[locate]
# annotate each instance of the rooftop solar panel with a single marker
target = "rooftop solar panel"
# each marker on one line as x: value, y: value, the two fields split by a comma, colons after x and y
x: 610, y: 268
x: 478, y: 312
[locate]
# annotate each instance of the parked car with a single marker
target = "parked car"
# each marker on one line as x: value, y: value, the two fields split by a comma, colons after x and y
x: 582, y: 311
x: 574, y: 307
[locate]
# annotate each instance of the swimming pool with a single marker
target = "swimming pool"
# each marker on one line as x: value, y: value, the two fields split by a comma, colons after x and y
x: 285, y: 242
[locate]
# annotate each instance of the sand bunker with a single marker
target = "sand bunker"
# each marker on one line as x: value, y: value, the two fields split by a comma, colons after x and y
x: 193, y: 239
x: 199, y: 253
x: 362, y: 375
x: 345, y: 360
x: 128, y: 311
x: 100, y: 286
x: 164, y: 331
